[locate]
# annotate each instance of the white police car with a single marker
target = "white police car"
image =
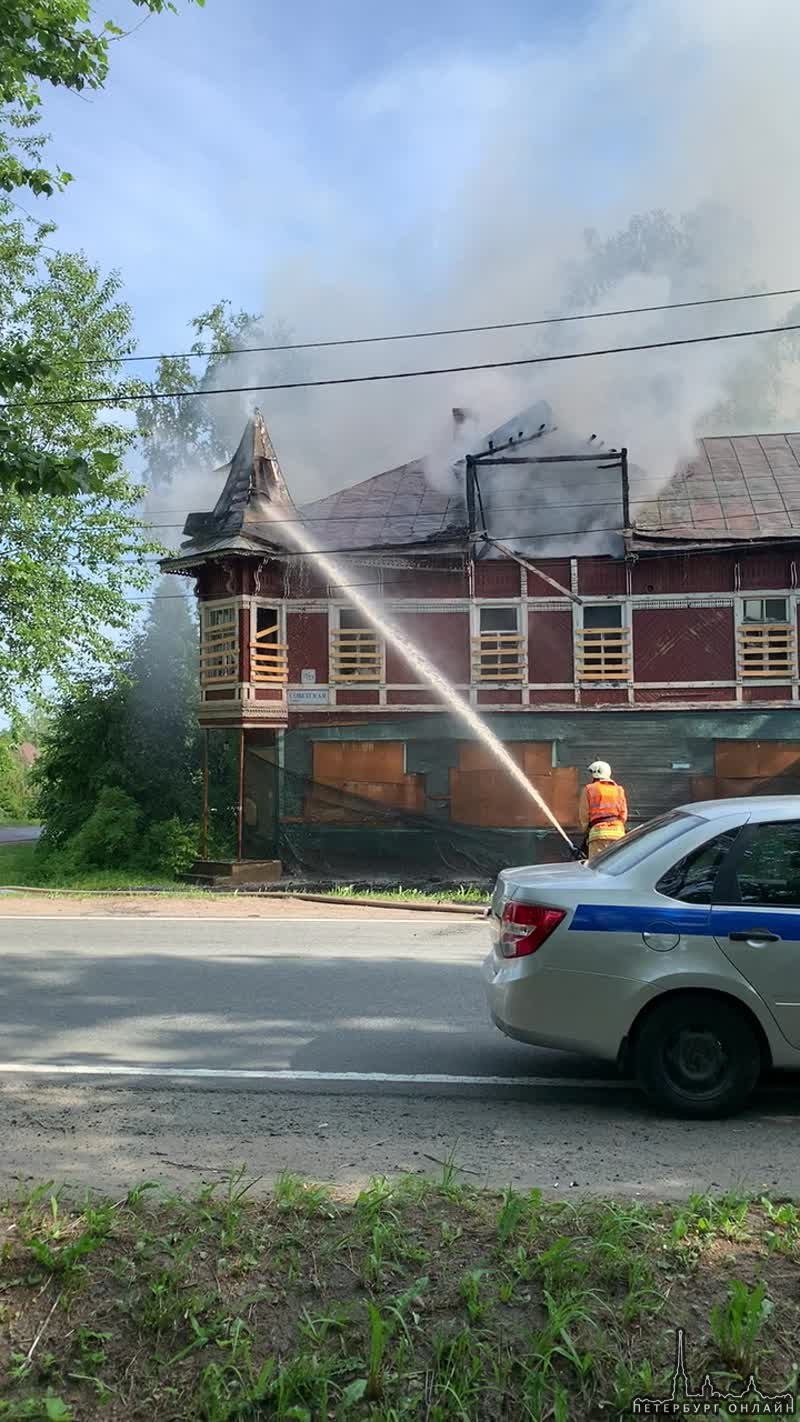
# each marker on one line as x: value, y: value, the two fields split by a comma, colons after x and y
x: 675, y: 952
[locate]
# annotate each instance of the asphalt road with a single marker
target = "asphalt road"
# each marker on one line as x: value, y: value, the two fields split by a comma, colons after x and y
x: 134, y: 1049
x: 389, y: 997
x: 18, y: 834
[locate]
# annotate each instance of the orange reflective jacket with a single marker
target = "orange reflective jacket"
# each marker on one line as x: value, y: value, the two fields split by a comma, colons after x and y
x: 606, y: 806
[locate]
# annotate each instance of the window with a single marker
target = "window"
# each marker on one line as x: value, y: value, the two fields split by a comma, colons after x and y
x: 603, y: 644
x: 356, y: 649
x: 626, y: 853
x: 498, y: 653
x: 766, y: 638
x: 692, y: 879
x: 603, y: 615
x: 765, y: 609
x: 268, y: 665
x: 219, y: 645
x: 766, y: 868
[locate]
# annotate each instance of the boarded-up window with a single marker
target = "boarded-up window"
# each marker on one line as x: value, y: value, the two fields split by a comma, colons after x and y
x: 356, y: 649
x: 766, y: 638
x: 499, y: 648
x: 350, y: 776
x: 219, y: 645
x: 603, y: 644
x: 484, y: 793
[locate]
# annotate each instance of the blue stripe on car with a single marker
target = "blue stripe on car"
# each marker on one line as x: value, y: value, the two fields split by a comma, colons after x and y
x: 635, y: 918
x: 682, y: 918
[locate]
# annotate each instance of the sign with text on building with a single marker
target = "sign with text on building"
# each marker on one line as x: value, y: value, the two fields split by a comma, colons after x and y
x: 308, y: 676
x: 307, y: 696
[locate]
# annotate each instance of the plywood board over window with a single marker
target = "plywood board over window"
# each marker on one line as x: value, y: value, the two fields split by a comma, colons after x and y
x: 739, y: 760
x: 337, y: 761
x: 483, y: 793
x: 349, y: 777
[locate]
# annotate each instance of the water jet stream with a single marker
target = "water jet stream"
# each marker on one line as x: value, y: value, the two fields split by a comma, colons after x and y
x: 426, y: 669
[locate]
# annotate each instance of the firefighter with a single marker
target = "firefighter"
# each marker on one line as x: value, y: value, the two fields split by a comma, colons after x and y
x: 603, y: 809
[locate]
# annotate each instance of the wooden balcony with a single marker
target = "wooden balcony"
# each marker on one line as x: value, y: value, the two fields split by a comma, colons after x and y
x: 766, y: 649
x: 269, y: 665
x: 498, y: 656
x: 603, y: 654
x: 356, y: 655
x: 219, y: 655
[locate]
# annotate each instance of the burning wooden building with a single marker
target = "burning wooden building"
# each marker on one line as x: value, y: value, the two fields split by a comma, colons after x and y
x: 657, y: 632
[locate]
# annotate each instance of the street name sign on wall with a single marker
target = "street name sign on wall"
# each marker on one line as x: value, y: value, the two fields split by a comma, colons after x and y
x: 308, y: 696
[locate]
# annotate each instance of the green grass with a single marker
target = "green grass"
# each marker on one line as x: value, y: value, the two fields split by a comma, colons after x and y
x: 21, y: 865
x: 421, y: 1299
x: 460, y: 894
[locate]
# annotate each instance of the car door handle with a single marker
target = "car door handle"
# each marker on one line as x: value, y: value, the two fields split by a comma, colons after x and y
x: 754, y: 935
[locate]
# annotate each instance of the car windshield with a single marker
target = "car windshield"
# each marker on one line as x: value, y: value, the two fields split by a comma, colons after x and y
x: 625, y: 854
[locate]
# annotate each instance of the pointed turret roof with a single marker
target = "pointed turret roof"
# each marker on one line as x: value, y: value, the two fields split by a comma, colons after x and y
x: 247, y: 513
x: 254, y: 478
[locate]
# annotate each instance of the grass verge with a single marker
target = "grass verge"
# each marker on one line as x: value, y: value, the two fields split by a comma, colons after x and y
x: 460, y: 894
x: 20, y: 865
x: 420, y: 1300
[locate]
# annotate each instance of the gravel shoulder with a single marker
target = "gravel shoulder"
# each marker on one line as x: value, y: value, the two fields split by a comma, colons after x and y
x: 211, y: 906
x: 112, y: 1136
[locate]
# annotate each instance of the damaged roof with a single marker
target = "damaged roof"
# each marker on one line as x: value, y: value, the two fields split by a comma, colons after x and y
x: 737, y: 488
x: 399, y: 507
x: 254, y: 499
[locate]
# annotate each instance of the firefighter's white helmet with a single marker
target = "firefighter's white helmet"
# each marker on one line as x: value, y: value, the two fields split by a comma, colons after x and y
x: 600, y: 770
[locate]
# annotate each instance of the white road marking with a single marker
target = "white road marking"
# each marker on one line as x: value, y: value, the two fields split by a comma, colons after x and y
x: 254, y: 1074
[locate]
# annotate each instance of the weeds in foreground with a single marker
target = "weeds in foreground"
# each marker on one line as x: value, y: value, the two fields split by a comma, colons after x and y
x: 736, y: 1325
x: 227, y: 1308
x: 295, y: 1195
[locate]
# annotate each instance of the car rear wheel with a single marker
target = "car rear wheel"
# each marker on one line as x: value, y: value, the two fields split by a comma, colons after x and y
x: 697, y: 1056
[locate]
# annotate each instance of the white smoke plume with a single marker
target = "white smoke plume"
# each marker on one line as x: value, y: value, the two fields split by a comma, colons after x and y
x: 688, y: 109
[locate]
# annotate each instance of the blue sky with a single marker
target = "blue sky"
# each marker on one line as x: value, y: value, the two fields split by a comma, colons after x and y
x: 358, y: 167
x: 233, y: 138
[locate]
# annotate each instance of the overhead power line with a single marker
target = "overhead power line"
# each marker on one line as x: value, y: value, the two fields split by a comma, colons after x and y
x: 453, y: 330
x: 137, y: 397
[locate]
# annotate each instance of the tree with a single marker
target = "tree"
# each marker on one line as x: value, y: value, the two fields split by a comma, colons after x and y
x: 15, y: 790
x: 50, y: 42
x: 184, y: 435
x: 123, y: 751
x: 702, y: 253
x: 68, y: 562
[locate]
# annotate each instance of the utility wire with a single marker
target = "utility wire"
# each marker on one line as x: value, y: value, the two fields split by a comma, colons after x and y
x: 137, y: 397
x: 452, y: 330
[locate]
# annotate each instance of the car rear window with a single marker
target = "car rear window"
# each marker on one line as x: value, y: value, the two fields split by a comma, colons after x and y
x: 626, y: 853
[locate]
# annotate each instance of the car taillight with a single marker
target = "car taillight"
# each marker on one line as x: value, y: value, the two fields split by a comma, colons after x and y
x: 525, y: 927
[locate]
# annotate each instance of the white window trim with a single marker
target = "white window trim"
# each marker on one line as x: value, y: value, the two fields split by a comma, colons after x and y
x: 787, y: 678
x: 335, y: 609
x: 212, y: 605
x: 518, y: 606
x: 625, y: 622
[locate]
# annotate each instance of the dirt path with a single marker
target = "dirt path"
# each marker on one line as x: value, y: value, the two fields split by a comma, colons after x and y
x: 15, y: 905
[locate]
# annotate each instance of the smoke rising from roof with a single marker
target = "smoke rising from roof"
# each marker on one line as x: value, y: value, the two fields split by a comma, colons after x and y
x: 534, y: 162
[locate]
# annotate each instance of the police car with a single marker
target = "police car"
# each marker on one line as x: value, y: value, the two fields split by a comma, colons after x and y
x: 676, y: 952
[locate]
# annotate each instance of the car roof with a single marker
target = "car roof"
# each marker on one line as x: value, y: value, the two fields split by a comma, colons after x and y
x: 761, y: 807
